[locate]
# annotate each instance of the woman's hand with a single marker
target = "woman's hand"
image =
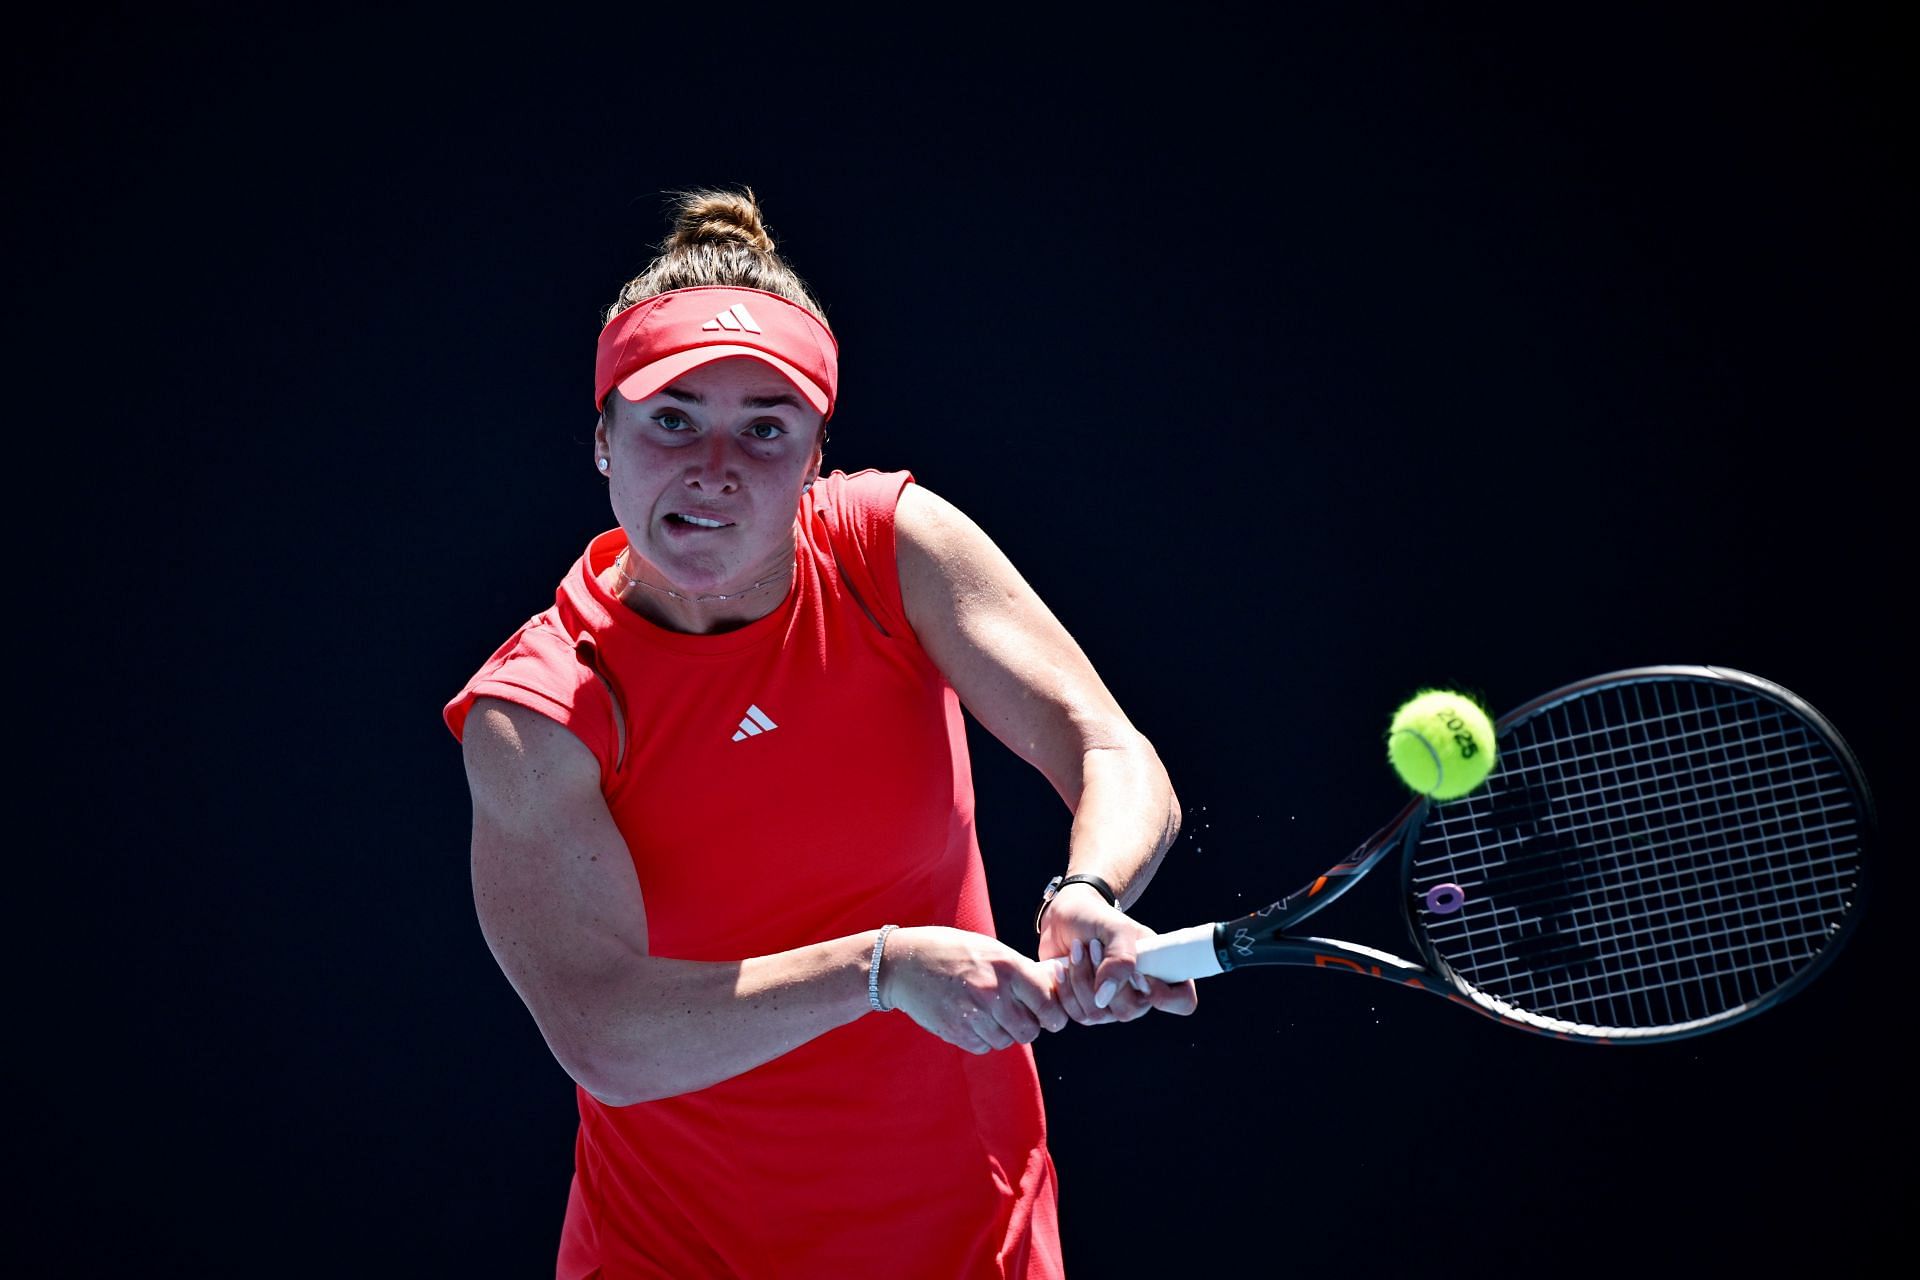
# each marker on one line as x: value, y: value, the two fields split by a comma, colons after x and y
x: 972, y: 991
x: 1094, y: 945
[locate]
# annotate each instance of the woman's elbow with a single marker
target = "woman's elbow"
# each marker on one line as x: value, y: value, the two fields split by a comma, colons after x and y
x: 1174, y: 815
x: 611, y: 1098
x: 595, y: 1064
x: 612, y: 1084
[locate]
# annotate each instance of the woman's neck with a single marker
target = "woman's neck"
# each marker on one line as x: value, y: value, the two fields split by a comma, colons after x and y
x: 635, y: 584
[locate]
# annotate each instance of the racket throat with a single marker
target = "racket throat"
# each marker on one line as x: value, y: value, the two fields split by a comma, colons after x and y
x: 1329, y: 953
x: 1207, y: 949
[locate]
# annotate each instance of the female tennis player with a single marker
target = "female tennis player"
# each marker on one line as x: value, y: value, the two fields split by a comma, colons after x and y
x: 723, y: 838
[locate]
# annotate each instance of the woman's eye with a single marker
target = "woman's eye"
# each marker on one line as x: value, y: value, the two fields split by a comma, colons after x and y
x: 767, y: 430
x: 669, y: 420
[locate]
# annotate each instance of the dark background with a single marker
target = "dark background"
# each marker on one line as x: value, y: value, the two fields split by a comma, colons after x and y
x: 1297, y: 366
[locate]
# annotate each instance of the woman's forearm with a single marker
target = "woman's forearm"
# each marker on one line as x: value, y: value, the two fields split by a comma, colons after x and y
x: 662, y: 1027
x: 1126, y: 819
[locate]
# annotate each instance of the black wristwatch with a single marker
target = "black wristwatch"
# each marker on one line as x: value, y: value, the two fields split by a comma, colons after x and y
x: 1058, y: 883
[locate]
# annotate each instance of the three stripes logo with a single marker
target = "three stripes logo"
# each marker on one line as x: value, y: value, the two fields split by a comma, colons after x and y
x: 753, y: 723
x: 736, y: 318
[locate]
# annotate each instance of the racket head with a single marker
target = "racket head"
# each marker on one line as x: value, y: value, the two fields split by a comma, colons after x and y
x: 1658, y: 852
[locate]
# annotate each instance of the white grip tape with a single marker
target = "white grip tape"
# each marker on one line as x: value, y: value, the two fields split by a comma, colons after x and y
x: 1177, y: 956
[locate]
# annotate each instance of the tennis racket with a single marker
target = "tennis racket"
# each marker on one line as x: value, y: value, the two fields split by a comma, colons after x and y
x: 1657, y: 853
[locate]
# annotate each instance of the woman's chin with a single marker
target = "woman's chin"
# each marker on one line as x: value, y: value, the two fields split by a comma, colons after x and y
x: 693, y: 575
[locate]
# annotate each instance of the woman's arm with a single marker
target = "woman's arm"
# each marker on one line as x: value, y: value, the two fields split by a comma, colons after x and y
x: 561, y: 909
x: 1027, y: 682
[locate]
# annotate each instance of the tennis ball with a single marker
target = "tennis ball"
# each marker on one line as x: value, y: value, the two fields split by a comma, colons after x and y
x: 1441, y: 744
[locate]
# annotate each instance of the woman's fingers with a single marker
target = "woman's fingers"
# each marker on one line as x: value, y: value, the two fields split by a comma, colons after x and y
x: 973, y: 991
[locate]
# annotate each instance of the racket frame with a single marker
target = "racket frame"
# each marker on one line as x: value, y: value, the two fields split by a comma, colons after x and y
x: 1259, y: 938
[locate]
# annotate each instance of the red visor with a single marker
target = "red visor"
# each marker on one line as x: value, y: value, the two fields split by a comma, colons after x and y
x: 659, y: 338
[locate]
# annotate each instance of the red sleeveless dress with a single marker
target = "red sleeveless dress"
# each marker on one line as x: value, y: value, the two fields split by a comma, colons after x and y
x: 799, y: 779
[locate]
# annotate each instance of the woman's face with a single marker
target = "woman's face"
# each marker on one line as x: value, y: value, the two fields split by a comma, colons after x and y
x: 705, y: 475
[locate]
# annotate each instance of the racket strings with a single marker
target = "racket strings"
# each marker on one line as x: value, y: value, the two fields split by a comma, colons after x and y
x: 1645, y: 855
x: 1738, y: 913
x: 1659, y: 879
x: 1674, y: 958
x: 1701, y: 918
x: 1622, y: 951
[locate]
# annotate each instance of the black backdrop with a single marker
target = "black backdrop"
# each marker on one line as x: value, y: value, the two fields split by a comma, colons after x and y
x: 1297, y: 367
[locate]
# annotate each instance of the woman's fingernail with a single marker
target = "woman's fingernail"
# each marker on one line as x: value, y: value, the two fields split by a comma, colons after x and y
x: 1140, y: 984
x: 1073, y: 951
x: 1097, y: 951
x: 1104, y: 994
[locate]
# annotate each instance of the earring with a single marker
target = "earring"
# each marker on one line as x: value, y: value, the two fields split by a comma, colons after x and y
x: 603, y: 464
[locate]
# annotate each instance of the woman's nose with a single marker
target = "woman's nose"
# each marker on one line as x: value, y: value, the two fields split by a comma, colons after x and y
x: 714, y: 465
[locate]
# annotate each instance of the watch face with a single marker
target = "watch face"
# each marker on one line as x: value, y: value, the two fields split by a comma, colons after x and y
x: 1046, y: 896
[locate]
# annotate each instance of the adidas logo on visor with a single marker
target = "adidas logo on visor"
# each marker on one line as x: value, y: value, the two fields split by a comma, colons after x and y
x: 735, y: 317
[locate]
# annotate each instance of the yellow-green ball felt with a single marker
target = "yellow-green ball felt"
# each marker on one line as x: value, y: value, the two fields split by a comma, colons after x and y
x: 1441, y: 744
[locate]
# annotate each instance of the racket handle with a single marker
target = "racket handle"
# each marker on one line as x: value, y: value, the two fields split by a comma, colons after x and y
x: 1177, y: 956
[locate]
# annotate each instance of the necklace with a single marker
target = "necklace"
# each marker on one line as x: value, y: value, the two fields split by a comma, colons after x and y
x: 620, y: 564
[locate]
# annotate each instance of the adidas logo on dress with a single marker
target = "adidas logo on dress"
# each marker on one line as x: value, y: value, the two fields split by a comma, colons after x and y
x: 754, y: 722
x: 735, y: 317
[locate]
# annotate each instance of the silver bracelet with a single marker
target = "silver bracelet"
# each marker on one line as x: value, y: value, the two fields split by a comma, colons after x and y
x: 873, y: 969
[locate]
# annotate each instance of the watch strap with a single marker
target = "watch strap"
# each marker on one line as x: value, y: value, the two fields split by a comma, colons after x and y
x: 1058, y: 883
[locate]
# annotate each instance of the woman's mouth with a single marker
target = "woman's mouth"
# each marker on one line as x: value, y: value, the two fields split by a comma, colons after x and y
x: 687, y: 524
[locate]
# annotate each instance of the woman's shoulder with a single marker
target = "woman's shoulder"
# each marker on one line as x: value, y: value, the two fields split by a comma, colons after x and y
x: 867, y: 485
x: 540, y: 666
x: 857, y: 511
x: 860, y: 504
